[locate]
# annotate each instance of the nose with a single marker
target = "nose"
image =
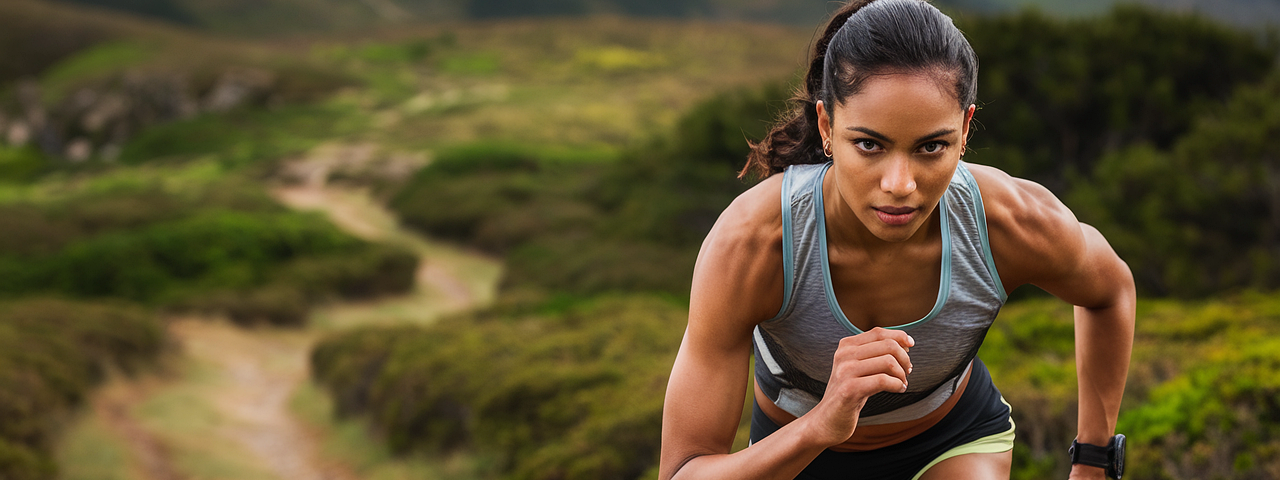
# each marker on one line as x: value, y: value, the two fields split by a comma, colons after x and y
x: 898, y: 179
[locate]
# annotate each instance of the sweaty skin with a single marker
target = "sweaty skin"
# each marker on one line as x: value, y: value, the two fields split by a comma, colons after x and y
x: 896, y: 145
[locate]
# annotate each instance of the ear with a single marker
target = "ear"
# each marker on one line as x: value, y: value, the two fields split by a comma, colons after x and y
x: 824, y: 122
x: 968, y: 117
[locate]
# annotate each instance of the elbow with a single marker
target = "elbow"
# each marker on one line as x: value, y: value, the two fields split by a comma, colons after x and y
x: 674, y: 472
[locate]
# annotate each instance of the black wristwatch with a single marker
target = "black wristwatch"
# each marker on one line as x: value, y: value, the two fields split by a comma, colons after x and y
x: 1110, y: 457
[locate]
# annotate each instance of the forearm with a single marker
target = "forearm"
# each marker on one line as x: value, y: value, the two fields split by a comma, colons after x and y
x: 1104, y: 340
x: 781, y: 455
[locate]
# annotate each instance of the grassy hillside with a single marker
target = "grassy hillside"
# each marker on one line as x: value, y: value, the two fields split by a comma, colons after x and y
x: 35, y: 34
x: 284, y: 17
x: 591, y: 153
x: 52, y: 352
x: 168, y: 210
x: 598, y: 255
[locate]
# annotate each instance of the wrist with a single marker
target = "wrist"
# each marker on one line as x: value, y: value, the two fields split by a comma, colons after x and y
x: 817, y: 434
x: 1109, y: 459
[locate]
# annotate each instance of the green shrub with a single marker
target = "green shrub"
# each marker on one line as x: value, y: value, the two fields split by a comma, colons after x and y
x: 243, y: 136
x: 1200, y: 401
x: 1057, y: 95
x: 634, y: 224
x: 21, y: 164
x: 274, y: 304
x: 1201, y: 218
x: 251, y: 266
x: 51, y: 353
x: 218, y: 245
x: 215, y: 249
x: 369, y: 272
x: 569, y: 393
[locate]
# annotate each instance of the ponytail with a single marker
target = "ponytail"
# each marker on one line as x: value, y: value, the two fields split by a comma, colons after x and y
x: 794, y: 139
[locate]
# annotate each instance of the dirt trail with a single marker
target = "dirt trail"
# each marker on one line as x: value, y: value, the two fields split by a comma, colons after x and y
x: 227, y: 414
x: 259, y: 371
x: 111, y: 404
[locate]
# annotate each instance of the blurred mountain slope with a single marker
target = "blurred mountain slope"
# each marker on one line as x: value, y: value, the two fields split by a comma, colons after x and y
x: 275, y: 17
x: 1244, y: 13
x: 35, y: 35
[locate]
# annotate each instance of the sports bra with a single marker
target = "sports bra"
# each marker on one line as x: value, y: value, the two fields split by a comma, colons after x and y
x: 794, y: 349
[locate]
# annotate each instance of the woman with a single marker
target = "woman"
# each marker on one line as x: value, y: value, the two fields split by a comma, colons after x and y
x: 885, y: 253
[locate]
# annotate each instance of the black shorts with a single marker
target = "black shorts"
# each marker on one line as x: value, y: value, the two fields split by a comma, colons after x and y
x: 980, y: 412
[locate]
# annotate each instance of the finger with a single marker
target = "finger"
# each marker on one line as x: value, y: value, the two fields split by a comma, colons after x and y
x: 883, y: 364
x: 876, y: 349
x: 877, y: 334
x: 883, y: 383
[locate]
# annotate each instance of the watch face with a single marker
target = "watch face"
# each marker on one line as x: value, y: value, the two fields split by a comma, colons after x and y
x: 1117, y: 462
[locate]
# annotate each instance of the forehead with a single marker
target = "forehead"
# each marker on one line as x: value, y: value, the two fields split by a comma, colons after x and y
x: 900, y: 104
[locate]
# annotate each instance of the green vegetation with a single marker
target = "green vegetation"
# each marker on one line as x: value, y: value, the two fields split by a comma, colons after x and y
x: 350, y: 440
x: 1056, y: 95
x: 572, y: 393
x: 38, y: 34
x: 1200, y: 400
x: 52, y: 352
x: 579, y: 152
x: 585, y: 399
x: 1200, y: 217
x: 583, y: 239
x: 222, y: 247
x: 244, y: 138
x: 631, y: 224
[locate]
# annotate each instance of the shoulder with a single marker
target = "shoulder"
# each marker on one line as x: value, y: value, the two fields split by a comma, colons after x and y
x: 739, y: 269
x: 1033, y: 235
x: 753, y: 217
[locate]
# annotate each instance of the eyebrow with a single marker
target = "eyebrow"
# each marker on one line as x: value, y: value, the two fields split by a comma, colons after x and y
x: 881, y: 136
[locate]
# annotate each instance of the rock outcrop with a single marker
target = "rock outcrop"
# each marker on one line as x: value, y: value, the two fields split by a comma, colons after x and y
x: 97, y: 119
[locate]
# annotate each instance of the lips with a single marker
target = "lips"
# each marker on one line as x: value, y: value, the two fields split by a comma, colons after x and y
x: 895, y: 215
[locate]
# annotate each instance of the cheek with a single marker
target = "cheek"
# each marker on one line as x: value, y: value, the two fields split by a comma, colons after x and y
x: 936, y: 181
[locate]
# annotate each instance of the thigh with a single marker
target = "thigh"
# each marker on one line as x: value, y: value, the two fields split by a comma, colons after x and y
x: 972, y: 466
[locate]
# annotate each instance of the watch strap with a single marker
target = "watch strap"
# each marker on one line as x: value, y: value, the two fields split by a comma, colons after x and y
x: 1091, y: 455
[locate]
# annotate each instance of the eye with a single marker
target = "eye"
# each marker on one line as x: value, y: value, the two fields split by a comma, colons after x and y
x: 866, y: 145
x: 933, y: 147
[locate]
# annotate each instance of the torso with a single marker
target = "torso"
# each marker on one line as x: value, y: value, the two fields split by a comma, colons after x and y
x: 883, y: 291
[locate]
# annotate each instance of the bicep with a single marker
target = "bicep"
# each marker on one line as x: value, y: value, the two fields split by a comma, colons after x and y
x: 1093, y: 276
x: 733, y: 289
x: 704, y: 399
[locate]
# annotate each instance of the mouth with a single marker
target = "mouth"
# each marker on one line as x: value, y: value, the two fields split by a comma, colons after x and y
x: 895, y: 215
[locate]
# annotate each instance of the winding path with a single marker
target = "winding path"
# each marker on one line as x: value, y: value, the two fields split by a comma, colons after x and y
x: 226, y: 411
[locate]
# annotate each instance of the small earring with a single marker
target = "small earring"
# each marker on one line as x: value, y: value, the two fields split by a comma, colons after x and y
x: 826, y: 149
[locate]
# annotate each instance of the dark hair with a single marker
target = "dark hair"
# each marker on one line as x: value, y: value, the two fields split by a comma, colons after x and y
x: 864, y: 38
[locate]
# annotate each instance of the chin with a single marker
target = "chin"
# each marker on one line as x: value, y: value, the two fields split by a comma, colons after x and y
x: 896, y: 234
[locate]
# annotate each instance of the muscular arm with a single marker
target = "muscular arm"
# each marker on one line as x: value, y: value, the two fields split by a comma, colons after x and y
x: 1036, y: 239
x: 738, y: 283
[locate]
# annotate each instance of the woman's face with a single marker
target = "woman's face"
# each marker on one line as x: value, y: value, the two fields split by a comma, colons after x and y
x: 895, y: 145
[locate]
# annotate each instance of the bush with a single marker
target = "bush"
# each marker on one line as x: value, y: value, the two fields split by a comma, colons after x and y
x: 287, y: 298
x: 215, y: 249
x: 574, y: 392
x: 1200, y: 398
x: 632, y: 224
x: 221, y: 248
x: 1201, y: 218
x: 369, y: 272
x: 1057, y: 95
x: 51, y: 353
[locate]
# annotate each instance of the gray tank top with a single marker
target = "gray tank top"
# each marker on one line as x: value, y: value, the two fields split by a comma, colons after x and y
x: 794, y: 349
